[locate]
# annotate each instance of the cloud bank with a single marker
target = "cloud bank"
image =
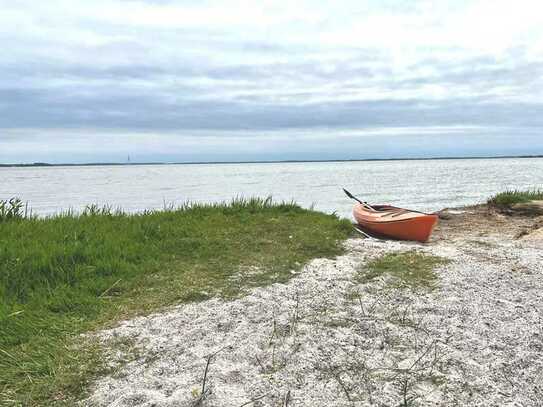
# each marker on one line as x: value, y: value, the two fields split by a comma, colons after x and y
x: 235, y: 80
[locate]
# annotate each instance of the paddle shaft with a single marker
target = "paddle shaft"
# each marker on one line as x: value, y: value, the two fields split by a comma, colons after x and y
x: 356, y: 199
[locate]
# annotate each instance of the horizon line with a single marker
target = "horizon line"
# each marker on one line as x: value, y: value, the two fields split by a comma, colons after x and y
x: 84, y: 164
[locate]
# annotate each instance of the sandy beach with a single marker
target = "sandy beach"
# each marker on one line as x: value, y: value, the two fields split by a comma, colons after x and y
x: 179, y: 182
x: 326, y: 339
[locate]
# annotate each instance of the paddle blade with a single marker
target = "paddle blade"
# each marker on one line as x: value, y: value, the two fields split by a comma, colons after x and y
x: 351, y: 195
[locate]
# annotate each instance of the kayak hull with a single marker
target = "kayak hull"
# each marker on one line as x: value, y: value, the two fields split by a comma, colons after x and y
x: 396, y: 223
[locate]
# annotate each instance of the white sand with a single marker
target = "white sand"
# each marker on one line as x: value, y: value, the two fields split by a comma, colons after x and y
x: 323, y: 339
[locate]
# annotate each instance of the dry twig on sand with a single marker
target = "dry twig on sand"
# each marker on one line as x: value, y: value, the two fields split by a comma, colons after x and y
x: 287, y: 399
x: 253, y: 400
x: 206, y: 391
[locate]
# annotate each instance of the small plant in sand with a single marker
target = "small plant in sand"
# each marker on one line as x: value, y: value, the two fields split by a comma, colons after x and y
x: 409, y: 268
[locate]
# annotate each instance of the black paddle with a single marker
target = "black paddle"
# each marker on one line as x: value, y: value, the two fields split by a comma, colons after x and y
x: 356, y: 199
x: 358, y: 228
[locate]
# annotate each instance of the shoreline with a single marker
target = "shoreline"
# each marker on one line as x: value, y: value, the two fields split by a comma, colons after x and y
x: 310, y: 298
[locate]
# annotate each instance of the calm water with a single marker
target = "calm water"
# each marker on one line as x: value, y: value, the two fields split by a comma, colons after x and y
x: 423, y: 185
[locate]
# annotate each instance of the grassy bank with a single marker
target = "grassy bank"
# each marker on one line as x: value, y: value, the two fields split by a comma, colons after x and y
x: 511, y: 197
x: 69, y: 274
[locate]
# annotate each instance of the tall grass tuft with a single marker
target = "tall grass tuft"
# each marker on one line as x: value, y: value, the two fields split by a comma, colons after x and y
x: 12, y: 209
x: 511, y: 197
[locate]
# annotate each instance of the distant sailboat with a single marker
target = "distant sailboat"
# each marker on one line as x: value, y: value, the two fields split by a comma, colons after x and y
x: 128, y: 159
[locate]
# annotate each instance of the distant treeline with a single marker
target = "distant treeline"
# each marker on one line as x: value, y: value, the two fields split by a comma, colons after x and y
x: 72, y: 164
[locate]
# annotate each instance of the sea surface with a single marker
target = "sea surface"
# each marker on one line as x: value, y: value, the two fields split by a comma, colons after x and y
x: 426, y: 185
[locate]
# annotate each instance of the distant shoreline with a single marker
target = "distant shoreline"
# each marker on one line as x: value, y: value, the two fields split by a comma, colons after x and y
x: 44, y: 164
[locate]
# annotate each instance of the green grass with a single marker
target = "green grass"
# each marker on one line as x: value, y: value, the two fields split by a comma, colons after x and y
x: 510, y: 197
x: 409, y: 268
x: 68, y: 274
x: 12, y: 209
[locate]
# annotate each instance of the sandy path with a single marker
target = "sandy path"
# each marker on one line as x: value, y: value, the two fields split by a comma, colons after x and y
x: 325, y: 340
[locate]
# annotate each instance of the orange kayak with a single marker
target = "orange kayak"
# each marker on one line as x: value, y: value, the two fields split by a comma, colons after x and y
x: 396, y: 223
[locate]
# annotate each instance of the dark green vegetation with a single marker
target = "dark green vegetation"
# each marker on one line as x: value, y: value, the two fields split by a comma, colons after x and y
x: 69, y: 274
x: 411, y: 268
x: 508, y: 198
x: 12, y: 209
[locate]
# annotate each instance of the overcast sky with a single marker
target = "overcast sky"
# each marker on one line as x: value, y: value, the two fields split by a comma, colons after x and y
x: 172, y: 80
